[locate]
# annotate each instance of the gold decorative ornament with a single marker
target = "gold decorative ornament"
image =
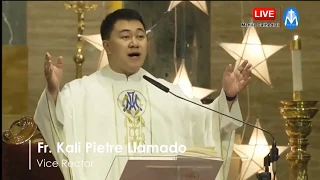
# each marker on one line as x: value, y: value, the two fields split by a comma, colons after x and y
x: 80, y: 7
x: 21, y: 131
x: 298, y: 117
x: 133, y: 105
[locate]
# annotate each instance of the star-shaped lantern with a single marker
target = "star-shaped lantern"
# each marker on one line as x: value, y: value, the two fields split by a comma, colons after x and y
x: 199, y: 4
x: 252, y: 50
x: 96, y: 41
x: 255, y: 152
x: 183, y: 81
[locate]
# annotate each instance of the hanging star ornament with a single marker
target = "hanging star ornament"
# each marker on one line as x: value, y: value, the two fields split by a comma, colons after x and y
x: 182, y: 80
x: 254, y: 152
x: 96, y: 41
x: 252, y: 50
x: 199, y: 4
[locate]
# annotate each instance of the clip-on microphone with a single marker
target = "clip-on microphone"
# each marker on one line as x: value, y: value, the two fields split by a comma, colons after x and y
x: 273, y: 155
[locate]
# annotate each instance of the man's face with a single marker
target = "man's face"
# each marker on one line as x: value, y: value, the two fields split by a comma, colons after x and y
x: 127, y: 46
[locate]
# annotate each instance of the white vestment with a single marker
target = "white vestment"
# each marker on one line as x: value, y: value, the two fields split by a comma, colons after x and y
x: 109, y: 107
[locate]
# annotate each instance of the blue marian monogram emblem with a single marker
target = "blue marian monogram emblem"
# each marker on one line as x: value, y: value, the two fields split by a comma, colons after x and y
x: 132, y: 103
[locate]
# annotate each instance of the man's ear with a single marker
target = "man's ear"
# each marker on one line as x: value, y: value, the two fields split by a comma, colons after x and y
x: 106, y: 46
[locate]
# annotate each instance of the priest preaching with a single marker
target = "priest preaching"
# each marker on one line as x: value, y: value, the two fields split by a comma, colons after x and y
x: 117, y: 106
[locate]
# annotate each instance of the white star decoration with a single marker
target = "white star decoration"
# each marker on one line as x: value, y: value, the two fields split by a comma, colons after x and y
x: 183, y: 81
x: 96, y: 41
x: 255, y: 152
x: 199, y: 4
x: 252, y: 50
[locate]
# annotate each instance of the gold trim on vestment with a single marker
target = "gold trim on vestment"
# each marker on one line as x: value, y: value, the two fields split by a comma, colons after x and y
x: 133, y: 105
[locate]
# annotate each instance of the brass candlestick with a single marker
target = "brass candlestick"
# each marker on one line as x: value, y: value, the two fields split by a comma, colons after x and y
x: 80, y: 7
x: 298, y: 115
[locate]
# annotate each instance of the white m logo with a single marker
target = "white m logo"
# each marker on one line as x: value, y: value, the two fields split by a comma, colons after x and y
x: 291, y: 17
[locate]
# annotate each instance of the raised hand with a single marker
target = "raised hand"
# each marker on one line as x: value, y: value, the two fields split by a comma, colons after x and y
x: 53, y: 74
x: 235, y: 81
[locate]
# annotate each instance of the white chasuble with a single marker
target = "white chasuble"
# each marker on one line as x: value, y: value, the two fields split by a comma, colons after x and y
x: 108, y: 109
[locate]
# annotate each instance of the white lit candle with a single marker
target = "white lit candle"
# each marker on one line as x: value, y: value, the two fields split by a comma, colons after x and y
x: 296, y: 64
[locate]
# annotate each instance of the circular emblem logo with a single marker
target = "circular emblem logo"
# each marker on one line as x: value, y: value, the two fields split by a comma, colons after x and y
x: 132, y: 103
x: 291, y: 18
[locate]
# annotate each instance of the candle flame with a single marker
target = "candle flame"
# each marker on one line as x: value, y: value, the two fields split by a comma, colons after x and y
x: 296, y: 37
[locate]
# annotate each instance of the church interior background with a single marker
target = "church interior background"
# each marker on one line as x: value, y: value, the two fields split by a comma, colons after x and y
x: 186, y: 37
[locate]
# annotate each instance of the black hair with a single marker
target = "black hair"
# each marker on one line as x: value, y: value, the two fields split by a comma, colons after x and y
x: 111, y: 19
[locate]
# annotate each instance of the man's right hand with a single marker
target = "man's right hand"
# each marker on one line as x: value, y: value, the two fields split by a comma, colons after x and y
x: 53, y: 74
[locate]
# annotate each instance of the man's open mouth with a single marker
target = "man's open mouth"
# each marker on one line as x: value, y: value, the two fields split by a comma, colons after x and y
x: 134, y: 55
